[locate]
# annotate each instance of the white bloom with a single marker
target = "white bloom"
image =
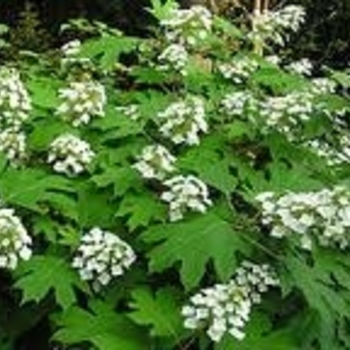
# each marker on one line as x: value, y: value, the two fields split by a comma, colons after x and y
x: 174, y: 57
x: 69, y: 154
x: 155, y: 162
x: 336, y: 153
x: 183, y: 121
x: 225, y: 308
x: 71, y: 48
x: 186, y: 193
x: 15, y: 243
x: 321, y: 215
x: 239, y: 70
x: 102, y: 256
x: 274, y: 59
x: 82, y: 101
x: 286, y: 113
x: 301, y: 67
x: 13, y: 144
x: 15, y: 103
x: 274, y: 26
x: 323, y: 86
x: 188, y: 26
x: 239, y: 103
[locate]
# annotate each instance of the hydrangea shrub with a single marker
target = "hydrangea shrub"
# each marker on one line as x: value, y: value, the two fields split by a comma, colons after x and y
x: 180, y: 191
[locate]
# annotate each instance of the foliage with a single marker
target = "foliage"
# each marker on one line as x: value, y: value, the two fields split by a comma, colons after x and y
x: 169, y: 171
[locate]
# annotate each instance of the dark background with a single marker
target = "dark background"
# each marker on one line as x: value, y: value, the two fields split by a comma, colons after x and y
x: 325, y: 38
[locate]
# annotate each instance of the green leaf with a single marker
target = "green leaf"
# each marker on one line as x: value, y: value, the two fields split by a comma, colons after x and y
x: 116, y: 125
x: 108, y: 48
x: 95, y: 208
x: 260, y: 335
x: 101, y: 326
x: 160, y: 311
x: 202, y: 239
x: 44, y: 132
x: 318, y: 284
x: 161, y: 9
x: 31, y: 188
x: 44, y: 91
x: 121, y: 178
x: 277, y: 80
x: 283, y: 178
x: 141, y: 209
x: 210, y: 167
x: 42, y: 274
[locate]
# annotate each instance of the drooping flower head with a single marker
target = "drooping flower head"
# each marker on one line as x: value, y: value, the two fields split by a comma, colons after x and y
x: 102, y: 256
x: 70, y: 155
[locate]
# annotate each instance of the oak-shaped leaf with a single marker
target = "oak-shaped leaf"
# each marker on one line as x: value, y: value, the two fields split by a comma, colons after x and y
x: 160, y: 311
x: 196, y: 242
x: 42, y: 274
x: 101, y: 326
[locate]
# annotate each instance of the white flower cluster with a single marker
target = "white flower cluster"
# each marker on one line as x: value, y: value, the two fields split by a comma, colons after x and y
x: 15, y: 243
x: 70, y: 52
x: 102, y: 256
x: 131, y: 111
x: 188, y: 26
x: 174, y: 57
x: 81, y: 101
x: 285, y: 113
x: 69, y: 154
x: 239, y: 103
x: 239, y: 70
x: 71, y: 48
x: 155, y: 162
x: 15, y: 106
x: 334, y: 154
x: 274, y: 25
x: 13, y: 144
x: 301, y: 67
x: 225, y: 308
x: 323, y: 216
x: 323, y: 86
x: 15, y: 103
x: 182, y: 121
x: 186, y: 192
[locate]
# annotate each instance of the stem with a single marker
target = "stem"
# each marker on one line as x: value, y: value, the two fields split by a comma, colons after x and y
x: 257, y: 8
x: 266, y: 6
x: 257, y: 11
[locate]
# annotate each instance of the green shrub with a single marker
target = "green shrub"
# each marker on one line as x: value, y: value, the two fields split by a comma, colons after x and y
x: 185, y: 191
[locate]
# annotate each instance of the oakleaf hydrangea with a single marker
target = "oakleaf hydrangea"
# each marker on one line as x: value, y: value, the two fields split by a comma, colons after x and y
x: 102, y: 256
x: 82, y: 101
x: 323, y: 86
x: 174, y: 57
x: 70, y: 155
x: 71, y: 58
x: 155, y: 162
x: 286, y: 113
x: 226, y: 308
x: 15, y: 103
x: 186, y: 193
x: 239, y: 70
x: 15, y: 243
x: 182, y: 121
x: 188, y: 26
x: 322, y: 216
x: 239, y: 103
x: 275, y: 26
x: 13, y: 144
x: 334, y: 154
x: 301, y: 67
